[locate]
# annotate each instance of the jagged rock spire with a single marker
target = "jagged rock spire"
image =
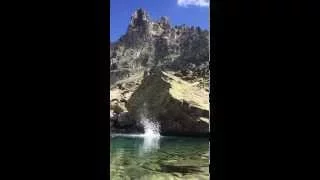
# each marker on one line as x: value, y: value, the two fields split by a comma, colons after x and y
x: 164, y: 20
x: 139, y: 17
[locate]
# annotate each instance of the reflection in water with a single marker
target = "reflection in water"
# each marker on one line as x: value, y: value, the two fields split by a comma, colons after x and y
x: 150, y: 144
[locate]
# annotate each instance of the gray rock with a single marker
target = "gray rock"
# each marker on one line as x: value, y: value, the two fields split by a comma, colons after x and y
x: 125, y: 120
x: 114, y: 117
x: 111, y: 124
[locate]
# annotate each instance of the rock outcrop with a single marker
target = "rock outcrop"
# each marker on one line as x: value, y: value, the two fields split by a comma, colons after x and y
x: 180, y: 107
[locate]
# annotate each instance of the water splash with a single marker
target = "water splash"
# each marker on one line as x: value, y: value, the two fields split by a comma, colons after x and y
x: 151, y: 135
x: 151, y: 129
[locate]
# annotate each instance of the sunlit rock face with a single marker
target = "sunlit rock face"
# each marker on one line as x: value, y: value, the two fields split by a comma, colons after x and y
x: 148, y: 43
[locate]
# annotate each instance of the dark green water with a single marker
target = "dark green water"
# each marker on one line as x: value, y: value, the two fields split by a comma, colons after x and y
x: 135, y: 158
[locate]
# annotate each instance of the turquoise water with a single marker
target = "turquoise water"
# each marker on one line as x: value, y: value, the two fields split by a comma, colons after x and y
x: 136, y: 157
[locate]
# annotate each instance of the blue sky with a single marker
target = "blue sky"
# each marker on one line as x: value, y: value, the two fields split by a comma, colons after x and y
x: 189, y: 12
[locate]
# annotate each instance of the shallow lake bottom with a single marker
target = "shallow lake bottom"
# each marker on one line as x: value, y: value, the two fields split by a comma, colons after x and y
x: 136, y: 157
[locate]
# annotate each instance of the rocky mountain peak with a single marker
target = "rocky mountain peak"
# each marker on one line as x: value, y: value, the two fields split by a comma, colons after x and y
x: 139, y: 18
x: 149, y: 43
x: 164, y: 22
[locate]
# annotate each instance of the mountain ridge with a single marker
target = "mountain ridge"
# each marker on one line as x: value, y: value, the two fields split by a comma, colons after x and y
x: 149, y: 44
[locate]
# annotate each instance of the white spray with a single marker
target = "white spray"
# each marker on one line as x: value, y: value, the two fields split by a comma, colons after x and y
x: 151, y: 133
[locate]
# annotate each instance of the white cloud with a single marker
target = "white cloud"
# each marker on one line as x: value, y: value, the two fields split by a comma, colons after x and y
x: 186, y: 3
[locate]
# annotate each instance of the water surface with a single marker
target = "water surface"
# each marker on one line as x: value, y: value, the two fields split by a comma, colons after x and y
x: 136, y: 157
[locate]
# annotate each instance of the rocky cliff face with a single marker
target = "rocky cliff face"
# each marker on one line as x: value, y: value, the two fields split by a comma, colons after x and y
x: 161, y: 70
x: 148, y: 44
